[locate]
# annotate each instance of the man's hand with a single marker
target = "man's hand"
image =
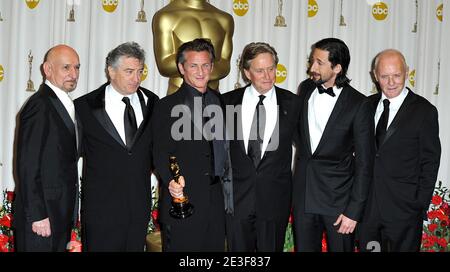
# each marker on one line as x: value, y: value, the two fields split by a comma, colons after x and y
x: 347, y: 225
x: 42, y: 228
x: 176, y: 189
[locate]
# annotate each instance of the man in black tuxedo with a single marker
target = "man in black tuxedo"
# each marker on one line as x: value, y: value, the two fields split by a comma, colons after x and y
x: 44, y: 208
x: 261, y: 153
x: 334, y: 154
x: 406, y: 163
x: 116, y: 149
x: 189, y: 124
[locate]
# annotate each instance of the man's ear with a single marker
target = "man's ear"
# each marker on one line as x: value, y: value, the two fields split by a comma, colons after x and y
x: 337, y: 69
x: 111, y: 72
x: 47, y: 69
x: 181, y: 68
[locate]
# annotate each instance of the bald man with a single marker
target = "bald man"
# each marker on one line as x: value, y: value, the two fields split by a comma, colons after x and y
x: 44, y: 208
x: 406, y: 163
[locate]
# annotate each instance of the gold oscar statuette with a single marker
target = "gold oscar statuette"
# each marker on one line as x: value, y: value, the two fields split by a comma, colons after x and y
x: 30, y: 84
x: 342, y: 19
x: 237, y: 85
x: 71, y: 15
x: 280, y: 21
x: 181, y: 207
x: 141, y: 17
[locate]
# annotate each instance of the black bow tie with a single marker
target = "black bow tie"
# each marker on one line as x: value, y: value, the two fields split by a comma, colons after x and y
x: 328, y: 90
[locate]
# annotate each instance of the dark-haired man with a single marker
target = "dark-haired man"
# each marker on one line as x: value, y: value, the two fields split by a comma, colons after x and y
x: 181, y: 129
x: 334, y: 154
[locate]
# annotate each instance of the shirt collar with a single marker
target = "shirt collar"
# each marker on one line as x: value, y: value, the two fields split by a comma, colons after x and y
x: 62, y: 95
x: 254, y: 94
x: 397, y: 101
x: 116, y: 96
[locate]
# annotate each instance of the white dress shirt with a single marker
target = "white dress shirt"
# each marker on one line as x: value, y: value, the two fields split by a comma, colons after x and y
x: 394, y: 106
x: 320, y: 107
x: 115, y: 109
x: 249, y: 102
x: 65, y: 99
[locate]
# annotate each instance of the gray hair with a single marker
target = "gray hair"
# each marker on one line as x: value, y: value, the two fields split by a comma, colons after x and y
x: 129, y: 50
x: 251, y: 51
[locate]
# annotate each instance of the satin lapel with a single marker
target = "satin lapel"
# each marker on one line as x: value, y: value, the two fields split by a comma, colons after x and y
x: 145, y: 111
x: 283, y: 106
x: 238, y: 133
x: 403, y: 113
x: 305, y: 120
x: 61, y: 111
x: 98, y: 109
x: 340, y: 104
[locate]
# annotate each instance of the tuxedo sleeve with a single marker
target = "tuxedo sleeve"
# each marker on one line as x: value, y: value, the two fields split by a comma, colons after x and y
x: 32, y: 139
x: 430, y: 154
x: 161, y: 129
x: 363, y: 135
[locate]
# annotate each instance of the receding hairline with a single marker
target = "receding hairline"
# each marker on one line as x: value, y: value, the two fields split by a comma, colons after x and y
x: 390, y: 52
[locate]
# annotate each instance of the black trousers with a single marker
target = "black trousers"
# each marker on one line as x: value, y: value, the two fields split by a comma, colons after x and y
x: 253, y: 234
x: 376, y: 234
x: 28, y: 241
x: 118, y: 237
x: 308, y: 233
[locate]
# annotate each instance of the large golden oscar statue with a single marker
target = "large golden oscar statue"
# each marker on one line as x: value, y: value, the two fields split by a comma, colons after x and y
x: 181, y: 21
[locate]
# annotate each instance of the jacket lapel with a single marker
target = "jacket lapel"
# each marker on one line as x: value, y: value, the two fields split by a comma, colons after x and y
x: 403, y: 112
x: 305, y: 119
x: 283, y: 106
x: 340, y: 104
x: 145, y: 111
x: 98, y: 110
x: 62, y: 112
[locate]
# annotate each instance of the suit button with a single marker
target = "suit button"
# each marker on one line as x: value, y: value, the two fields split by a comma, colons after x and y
x: 130, y: 153
x: 377, y: 155
x: 206, y: 174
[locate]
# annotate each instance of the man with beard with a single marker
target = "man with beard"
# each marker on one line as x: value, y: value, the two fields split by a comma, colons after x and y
x: 334, y: 152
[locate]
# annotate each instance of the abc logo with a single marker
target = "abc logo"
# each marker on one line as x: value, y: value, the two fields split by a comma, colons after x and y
x: 144, y: 72
x: 439, y: 12
x: 110, y: 5
x: 313, y: 8
x: 240, y: 7
x: 1, y: 73
x: 281, y: 73
x: 380, y: 11
x: 412, y: 78
x: 32, y: 3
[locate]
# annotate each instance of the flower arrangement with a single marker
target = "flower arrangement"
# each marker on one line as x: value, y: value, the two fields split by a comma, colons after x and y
x: 6, y: 232
x: 153, y: 225
x: 74, y: 244
x: 436, y: 231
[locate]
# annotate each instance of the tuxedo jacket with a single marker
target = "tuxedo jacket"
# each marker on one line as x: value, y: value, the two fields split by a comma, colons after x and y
x: 407, y: 161
x: 194, y: 159
x: 335, y: 178
x: 46, y: 163
x: 264, y: 190
x: 116, y: 183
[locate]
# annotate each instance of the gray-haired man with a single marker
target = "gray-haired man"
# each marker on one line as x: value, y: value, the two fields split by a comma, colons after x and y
x: 116, y: 147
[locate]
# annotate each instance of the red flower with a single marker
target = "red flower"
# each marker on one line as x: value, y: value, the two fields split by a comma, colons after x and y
x: 4, y: 239
x: 291, y: 219
x: 155, y: 215
x: 432, y: 227
x: 6, y: 221
x: 444, y: 223
x: 436, y: 200
x: 10, y: 196
x: 445, y: 208
x: 442, y: 242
